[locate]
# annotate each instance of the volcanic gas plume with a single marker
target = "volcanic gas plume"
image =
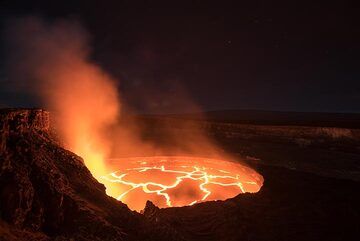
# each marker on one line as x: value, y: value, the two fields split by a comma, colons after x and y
x: 53, y: 60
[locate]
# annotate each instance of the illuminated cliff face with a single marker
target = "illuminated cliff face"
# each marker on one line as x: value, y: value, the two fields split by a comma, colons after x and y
x: 170, y: 181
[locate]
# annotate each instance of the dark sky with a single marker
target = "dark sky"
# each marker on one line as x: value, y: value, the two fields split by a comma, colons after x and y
x: 270, y: 55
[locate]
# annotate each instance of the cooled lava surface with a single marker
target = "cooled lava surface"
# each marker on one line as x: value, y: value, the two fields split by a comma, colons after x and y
x: 171, y: 181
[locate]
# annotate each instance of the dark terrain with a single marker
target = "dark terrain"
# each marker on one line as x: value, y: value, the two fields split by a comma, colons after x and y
x: 263, y: 117
x: 310, y: 192
x: 47, y: 193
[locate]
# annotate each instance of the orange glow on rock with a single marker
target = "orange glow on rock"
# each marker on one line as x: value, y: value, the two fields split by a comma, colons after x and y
x: 170, y: 181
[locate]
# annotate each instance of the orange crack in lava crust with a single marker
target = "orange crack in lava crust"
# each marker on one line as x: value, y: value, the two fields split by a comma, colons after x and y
x: 178, y: 181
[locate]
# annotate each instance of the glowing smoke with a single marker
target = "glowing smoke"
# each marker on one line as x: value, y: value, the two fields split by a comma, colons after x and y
x: 53, y: 61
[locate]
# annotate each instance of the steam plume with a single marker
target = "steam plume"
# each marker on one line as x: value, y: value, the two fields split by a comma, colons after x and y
x: 53, y: 61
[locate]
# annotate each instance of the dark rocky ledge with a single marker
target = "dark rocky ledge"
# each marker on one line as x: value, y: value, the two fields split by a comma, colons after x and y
x: 46, y: 192
x: 18, y: 121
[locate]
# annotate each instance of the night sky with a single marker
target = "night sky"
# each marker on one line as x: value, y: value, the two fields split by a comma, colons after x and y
x: 268, y: 55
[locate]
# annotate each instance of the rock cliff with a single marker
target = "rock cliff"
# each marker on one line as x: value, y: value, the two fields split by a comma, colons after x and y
x: 47, y: 193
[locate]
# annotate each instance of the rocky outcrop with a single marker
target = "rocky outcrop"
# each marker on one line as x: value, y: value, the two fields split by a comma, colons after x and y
x: 46, y: 192
x: 20, y: 121
x: 167, y: 229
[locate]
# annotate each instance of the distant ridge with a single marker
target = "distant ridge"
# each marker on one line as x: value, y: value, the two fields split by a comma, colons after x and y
x: 263, y: 117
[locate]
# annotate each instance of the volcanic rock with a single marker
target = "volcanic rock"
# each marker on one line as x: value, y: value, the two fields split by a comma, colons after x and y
x: 47, y: 193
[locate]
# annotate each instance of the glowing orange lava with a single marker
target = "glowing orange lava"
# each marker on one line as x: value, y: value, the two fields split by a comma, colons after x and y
x: 178, y: 181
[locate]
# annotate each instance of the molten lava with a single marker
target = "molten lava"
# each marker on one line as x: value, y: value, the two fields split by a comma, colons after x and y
x: 178, y: 181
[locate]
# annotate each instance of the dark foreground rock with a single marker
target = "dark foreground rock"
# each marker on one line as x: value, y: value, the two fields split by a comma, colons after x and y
x: 46, y: 193
x: 290, y: 206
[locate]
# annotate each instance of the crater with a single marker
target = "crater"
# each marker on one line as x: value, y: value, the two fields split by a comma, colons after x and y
x: 175, y: 181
